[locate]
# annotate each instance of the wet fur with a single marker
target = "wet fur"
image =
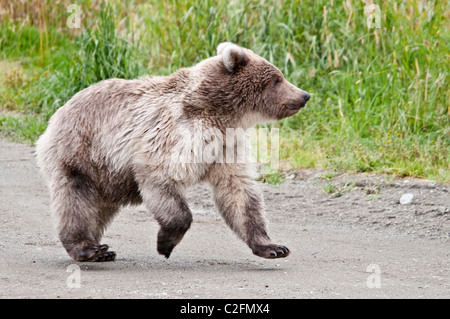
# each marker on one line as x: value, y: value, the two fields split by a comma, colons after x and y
x: 111, y: 145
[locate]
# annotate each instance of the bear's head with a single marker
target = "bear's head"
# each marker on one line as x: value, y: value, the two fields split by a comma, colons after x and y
x: 237, y: 81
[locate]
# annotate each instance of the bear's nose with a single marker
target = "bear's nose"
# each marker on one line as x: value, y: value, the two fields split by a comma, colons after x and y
x: 306, y: 97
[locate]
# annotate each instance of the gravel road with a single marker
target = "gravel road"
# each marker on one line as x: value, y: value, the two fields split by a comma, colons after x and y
x: 349, y: 236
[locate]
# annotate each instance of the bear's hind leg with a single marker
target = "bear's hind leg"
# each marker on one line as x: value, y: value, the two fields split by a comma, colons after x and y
x: 80, y: 225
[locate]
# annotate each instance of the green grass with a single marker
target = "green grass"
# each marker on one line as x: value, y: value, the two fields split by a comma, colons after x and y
x: 21, y: 128
x: 380, y: 98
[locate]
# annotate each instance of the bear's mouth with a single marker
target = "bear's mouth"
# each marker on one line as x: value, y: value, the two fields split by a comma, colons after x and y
x: 294, y: 107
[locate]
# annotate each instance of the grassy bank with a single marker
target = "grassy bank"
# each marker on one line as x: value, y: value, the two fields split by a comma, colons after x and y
x: 380, y: 98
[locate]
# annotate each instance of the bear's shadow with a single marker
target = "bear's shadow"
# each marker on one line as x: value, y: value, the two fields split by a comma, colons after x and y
x: 178, y: 264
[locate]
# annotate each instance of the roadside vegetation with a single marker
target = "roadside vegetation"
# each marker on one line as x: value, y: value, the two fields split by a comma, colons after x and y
x: 380, y: 96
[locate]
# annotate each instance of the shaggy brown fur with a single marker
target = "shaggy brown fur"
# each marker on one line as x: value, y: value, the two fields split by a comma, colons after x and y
x: 115, y: 142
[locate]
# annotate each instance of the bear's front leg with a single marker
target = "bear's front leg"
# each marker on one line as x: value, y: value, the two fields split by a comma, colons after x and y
x: 242, y: 206
x: 165, y: 199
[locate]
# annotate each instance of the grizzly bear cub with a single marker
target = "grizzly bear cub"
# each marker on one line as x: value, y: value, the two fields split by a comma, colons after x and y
x: 114, y: 144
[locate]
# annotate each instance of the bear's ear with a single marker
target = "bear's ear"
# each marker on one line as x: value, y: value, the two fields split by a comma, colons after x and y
x: 233, y: 56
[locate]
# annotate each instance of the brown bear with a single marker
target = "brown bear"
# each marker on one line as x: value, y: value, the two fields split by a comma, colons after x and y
x: 114, y: 142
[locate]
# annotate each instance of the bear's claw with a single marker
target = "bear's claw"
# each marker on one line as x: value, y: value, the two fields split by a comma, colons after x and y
x: 108, y: 256
x: 96, y: 253
x: 271, y: 251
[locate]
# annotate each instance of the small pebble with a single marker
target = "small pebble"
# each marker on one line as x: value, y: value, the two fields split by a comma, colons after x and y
x: 406, y: 199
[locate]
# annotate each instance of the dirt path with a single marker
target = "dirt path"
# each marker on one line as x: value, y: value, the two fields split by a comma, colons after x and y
x: 349, y: 236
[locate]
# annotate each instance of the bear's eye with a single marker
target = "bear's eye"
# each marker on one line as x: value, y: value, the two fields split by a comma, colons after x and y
x: 276, y: 81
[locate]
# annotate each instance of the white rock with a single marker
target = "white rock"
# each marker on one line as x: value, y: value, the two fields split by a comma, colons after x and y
x: 406, y: 199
